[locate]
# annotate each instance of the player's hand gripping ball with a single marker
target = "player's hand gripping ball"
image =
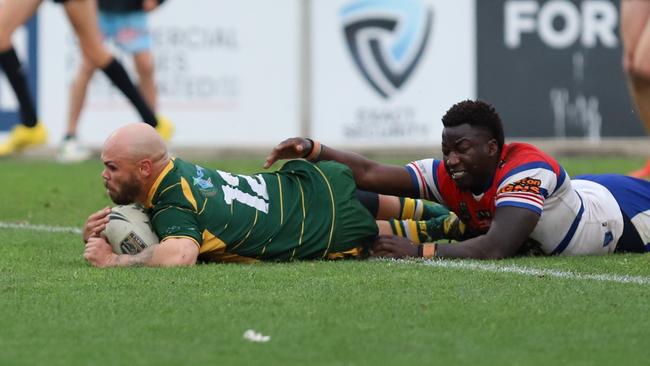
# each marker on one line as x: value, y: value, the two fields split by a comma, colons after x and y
x: 129, y: 230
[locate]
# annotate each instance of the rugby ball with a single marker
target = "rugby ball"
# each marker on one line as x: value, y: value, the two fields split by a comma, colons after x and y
x: 129, y: 230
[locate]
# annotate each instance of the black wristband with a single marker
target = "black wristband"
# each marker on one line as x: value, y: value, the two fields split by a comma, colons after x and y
x: 420, y: 248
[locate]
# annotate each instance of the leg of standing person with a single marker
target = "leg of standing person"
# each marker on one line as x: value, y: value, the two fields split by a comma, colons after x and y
x: 129, y: 31
x: 71, y: 150
x: 140, y: 48
x: 144, y: 66
x: 83, y: 17
x: 14, y: 13
x: 635, y: 33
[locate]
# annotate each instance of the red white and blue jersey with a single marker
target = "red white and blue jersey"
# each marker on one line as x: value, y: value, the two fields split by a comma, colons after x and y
x: 586, y: 220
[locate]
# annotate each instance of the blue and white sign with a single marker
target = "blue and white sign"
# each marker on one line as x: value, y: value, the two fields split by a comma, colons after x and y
x: 384, y: 71
x: 226, y: 71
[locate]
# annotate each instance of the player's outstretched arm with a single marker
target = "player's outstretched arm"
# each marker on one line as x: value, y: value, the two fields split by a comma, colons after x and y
x: 171, y: 252
x: 368, y: 174
x: 510, y: 228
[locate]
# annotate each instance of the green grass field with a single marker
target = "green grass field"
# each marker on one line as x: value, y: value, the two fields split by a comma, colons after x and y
x: 57, y: 310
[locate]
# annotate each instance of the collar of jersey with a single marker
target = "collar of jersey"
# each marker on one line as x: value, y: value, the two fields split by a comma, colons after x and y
x: 155, y: 185
x: 489, y: 182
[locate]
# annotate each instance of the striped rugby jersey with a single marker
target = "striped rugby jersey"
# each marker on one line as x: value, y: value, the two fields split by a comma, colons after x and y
x: 526, y: 177
x: 302, y: 211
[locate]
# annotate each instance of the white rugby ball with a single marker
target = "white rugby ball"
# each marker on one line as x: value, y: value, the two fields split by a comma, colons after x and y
x: 129, y: 230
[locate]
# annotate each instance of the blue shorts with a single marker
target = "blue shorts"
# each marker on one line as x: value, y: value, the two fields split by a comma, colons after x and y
x: 128, y: 30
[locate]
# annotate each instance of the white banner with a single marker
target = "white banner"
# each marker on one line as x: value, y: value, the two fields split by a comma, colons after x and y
x: 226, y: 72
x: 385, y: 71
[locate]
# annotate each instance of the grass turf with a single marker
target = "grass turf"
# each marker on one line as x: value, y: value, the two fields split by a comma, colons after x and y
x: 57, y: 310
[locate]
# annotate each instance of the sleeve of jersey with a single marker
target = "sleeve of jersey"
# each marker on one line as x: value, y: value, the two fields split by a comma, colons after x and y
x: 526, y: 187
x: 176, y: 222
x: 424, y: 179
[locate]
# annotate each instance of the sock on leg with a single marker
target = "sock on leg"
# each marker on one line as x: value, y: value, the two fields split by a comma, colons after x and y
x: 115, y: 71
x: 16, y: 76
x: 444, y: 226
x: 418, y: 209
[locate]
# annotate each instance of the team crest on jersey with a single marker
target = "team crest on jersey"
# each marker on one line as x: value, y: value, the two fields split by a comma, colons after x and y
x: 523, y: 185
x: 205, y: 185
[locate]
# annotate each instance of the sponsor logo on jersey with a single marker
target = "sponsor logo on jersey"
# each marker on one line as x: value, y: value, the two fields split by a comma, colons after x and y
x: 386, y: 39
x: 523, y: 185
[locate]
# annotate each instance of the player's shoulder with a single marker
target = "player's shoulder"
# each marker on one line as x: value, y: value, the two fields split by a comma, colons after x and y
x: 522, y: 162
x: 174, y: 185
x: 430, y: 170
x: 428, y: 165
x: 520, y: 155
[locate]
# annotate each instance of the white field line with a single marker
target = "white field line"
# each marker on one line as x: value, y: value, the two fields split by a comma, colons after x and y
x: 533, y: 272
x: 46, y: 228
x: 453, y: 264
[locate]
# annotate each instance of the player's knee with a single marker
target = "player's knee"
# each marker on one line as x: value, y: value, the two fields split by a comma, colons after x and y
x: 86, y: 70
x: 639, y: 71
x: 5, y: 40
x: 96, y: 55
x: 636, y: 67
x: 145, y: 69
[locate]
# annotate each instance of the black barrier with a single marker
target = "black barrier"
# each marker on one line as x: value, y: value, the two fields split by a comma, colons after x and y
x: 553, y: 68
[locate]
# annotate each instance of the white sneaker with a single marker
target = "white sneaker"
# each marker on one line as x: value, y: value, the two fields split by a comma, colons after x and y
x: 71, y: 151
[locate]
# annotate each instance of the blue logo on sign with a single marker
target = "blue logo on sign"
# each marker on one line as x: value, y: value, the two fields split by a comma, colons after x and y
x: 387, y: 39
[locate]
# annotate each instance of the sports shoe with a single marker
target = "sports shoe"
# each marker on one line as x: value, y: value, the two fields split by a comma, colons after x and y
x: 22, y: 136
x: 643, y: 172
x: 71, y: 151
x: 165, y: 128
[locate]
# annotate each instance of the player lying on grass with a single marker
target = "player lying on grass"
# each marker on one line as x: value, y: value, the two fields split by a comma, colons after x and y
x: 302, y: 211
x: 508, y: 195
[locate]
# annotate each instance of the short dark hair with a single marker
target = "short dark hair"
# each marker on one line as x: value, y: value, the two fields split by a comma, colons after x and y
x: 475, y: 113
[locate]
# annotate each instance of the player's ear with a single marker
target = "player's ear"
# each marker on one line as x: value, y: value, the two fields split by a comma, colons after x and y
x: 146, y: 167
x: 493, y: 147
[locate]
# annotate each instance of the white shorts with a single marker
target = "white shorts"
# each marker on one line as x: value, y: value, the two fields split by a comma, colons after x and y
x: 601, y: 224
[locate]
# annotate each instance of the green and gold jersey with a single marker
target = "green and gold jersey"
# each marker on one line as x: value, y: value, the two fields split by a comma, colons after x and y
x: 302, y: 211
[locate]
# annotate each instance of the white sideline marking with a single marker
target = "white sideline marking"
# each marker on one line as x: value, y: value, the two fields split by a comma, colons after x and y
x: 46, y: 228
x: 537, y: 272
x: 440, y: 263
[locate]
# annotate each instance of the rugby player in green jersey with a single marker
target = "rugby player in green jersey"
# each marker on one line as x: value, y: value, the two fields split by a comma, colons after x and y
x: 302, y: 211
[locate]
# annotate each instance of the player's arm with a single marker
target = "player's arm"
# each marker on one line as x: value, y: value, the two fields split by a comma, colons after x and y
x: 170, y: 252
x: 509, y: 230
x: 368, y: 174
